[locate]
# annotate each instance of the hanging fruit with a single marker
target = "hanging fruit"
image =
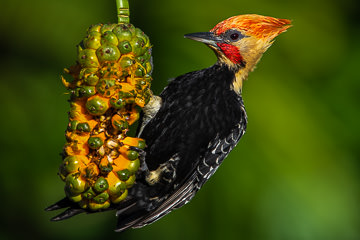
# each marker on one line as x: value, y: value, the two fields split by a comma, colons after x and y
x: 109, y: 86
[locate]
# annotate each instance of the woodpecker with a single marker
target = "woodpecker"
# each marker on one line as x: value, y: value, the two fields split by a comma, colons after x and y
x: 195, y: 122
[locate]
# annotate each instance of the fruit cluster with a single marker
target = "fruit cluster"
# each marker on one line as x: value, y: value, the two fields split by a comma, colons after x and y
x: 110, y: 84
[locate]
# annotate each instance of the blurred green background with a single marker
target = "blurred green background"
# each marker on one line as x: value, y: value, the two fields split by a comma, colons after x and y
x: 295, y: 173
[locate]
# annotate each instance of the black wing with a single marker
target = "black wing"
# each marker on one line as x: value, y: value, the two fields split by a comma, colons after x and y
x: 206, y: 167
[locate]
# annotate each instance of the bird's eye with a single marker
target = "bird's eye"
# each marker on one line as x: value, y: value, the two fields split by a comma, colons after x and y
x: 234, y: 36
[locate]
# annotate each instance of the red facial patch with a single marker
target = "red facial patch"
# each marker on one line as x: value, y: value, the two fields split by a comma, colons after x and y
x: 231, y: 52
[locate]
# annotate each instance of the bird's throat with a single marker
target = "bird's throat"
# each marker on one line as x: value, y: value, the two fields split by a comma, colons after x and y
x: 240, y: 76
x: 231, y: 52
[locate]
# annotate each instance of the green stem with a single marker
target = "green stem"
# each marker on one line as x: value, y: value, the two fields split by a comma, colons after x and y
x: 123, y: 12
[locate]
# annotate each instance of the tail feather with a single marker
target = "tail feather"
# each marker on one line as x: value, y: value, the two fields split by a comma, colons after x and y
x: 63, y: 203
x: 129, y: 220
x: 68, y: 213
x: 72, y: 209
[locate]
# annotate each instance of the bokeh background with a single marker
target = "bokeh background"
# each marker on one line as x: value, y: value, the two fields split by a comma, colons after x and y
x: 294, y: 175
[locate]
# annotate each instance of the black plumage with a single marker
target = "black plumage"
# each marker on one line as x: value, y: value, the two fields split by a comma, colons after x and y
x: 199, y: 122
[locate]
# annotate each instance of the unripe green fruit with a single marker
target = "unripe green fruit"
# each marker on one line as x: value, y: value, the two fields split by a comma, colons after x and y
x: 101, y: 198
x: 75, y: 198
x: 89, y: 194
x: 108, y: 52
x: 109, y: 38
x: 148, y: 67
x: 91, y: 79
x: 105, y: 169
x: 138, y: 46
x: 73, y: 184
x: 87, y: 58
x: 121, y: 125
x: 96, y: 206
x: 117, y: 189
x: 84, y: 91
x: 126, y: 62
x: 101, y: 185
x: 139, y: 72
x: 96, y: 106
x: 147, y: 54
x: 117, y: 103
x: 104, y: 86
x: 141, y: 144
x: 121, y: 197
x: 72, y: 125
x: 124, y: 174
x: 134, y: 166
x: 83, y: 127
x: 123, y: 32
x: 107, y: 28
x: 125, y: 47
x: 95, y: 142
x: 140, y: 34
x: 70, y: 164
x: 93, y: 40
x: 132, y: 155
x: 94, y: 28
x: 130, y: 181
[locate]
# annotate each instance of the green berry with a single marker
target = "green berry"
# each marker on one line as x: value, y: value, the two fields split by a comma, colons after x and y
x: 97, y: 106
x: 139, y: 72
x: 123, y: 32
x: 107, y: 27
x: 130, y: 182
x: 117, y: 189
x: 105, y: 86
x: 89, y: 194
x: 92, y: 79
x: 75, y: 198
x: 108, y: 52
x: 72, y: 125
x: 88, y: 59
x: 117, y: 103
x: 148, y: 67
x: 71, y: 164
x: 109, y: 38
x: 101, y: 198
x: 95, y: 28
x: 83, y: 127
x: 125, y: 47
x: 124, y: 174
x: 96, y: 206
x: 101, y: 185
x: 105, y: 169
x: 95, y: 142
x: 126, y: 62
x: 140, y: 34
x: 85, y: 91
x: 132, y: 155
x: 93, y: 40
x: 138, y: 46
x: 134, y: 166
x: 74, y: 185
x: 121, y: 197
x: 120, y: 125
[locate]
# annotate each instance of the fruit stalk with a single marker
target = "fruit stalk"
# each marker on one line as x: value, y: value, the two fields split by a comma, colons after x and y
x: 123, y: 12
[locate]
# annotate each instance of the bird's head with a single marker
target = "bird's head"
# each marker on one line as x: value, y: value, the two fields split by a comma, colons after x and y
x: 240, y: 41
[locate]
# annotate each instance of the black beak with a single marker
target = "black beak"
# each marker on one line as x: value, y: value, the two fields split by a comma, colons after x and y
x: 208, y: 38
